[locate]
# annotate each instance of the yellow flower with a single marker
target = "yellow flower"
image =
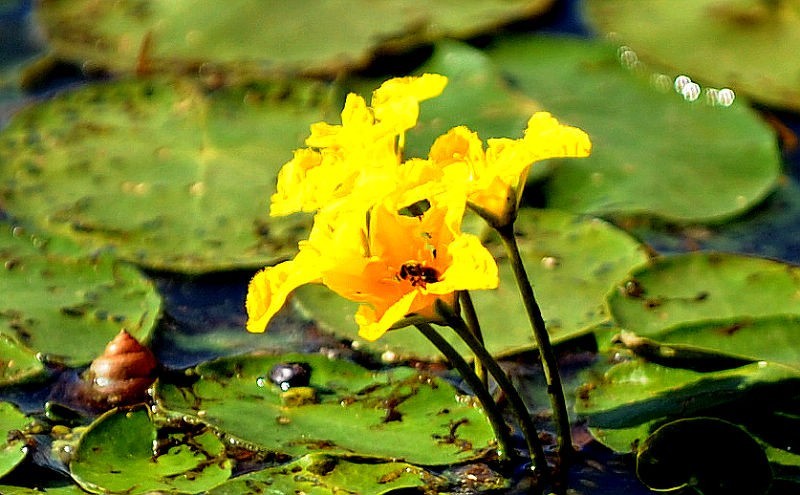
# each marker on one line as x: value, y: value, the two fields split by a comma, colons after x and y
x: 497, y: 176
x: 396, y: 266
x: 396, y: 102
x: 360, y: 157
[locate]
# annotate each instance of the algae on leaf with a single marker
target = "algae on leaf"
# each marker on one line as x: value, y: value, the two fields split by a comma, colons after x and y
x: 325, y: 474
x: 398, y: 414
x: 173, y: 175
x: 65, y: 306
x: 123, y: 452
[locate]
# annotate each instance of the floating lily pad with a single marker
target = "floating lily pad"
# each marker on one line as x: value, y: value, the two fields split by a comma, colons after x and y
x: 571, y: 261
x: 774, y: 338
x: 636, y: 392
x: 398, y: 414
x: 13, y: 450
x: 704, y: 287
x: 116, y: 455
x: 323, y: 474
x: 254, y: 36
x: 172, y: 175
x: 653, y: 153
x: 49, y: 488
x: 66, y: 308
x: 711, y: 456
x: 748, y: 45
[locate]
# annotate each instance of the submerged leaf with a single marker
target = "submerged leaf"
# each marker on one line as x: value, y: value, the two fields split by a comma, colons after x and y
x: 710, y: 455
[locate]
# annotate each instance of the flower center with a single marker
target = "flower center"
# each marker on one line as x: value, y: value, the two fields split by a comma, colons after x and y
x: 417, y: 274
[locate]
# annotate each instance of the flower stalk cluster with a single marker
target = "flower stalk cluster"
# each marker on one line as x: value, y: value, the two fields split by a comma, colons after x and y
x: 387, y: 230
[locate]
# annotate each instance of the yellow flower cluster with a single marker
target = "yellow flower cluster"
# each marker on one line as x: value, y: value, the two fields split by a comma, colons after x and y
x: 386, y: 232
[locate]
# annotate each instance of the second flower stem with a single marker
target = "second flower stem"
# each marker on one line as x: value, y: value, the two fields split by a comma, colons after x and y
x: 549, y: 363
x: 476, y: 384
x: 518, y: 407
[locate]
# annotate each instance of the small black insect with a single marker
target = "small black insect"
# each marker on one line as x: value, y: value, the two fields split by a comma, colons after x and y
x: 418, y: 275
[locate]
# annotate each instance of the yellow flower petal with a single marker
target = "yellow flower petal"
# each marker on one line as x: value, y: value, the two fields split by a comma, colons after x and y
x: 372, y: 326
x: 547, y: 138
x: 472, y: 267
x: 269, y: 289
x: 419, y: 88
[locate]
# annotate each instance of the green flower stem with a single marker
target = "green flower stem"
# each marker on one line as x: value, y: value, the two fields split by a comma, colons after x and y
x: 481, y: 392
x: 554, y: 388
x: 518, y: 407
x: 471, y: 316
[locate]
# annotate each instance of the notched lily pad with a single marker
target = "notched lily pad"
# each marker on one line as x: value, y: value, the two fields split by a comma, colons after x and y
x: 398, y: 414
x: 170, y: 174
x: 709, y: 455
x: 116, y: 455
x: 66, y: 308
x: 719, y: 289
x: 571, y: 261
x: 748, y: 45
x: 325, y: 474
x: 253, y: 36
x: 636, y: 392
x: 653, y: 153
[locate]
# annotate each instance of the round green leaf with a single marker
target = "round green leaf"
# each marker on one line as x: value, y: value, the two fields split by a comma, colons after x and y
x: 704, y: 287
x: 636, y: 392
x: 254, y: 36
x: 772, y: 338
x: 116, y: 455
x: 653, y: 153
x: 47, y: 487
x: 17, y: 364
x: 172, y: 175
x: 398, y: 414
x: 324, y: 474
x: 13, y: 450
x: 712, y: 456
x: 66, y: 308
x: 748, y: 45
x: 570, y: 260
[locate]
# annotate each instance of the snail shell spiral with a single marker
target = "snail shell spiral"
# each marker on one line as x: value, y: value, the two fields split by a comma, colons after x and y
x: 122, y: 374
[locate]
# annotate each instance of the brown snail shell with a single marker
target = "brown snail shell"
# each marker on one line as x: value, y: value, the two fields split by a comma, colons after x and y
x: 122, y: 374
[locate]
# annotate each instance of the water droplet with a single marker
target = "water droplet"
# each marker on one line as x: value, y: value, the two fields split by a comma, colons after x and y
x: 681, y: 82
x: 197, y: 189
x: 691, y: 92
x: 725, y: 97
x: 711, y: 96
x: 661, y: 82
x: 389, y: 357
x: 628, y: 57
x: 261, y: 382
x: 550, y: 262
